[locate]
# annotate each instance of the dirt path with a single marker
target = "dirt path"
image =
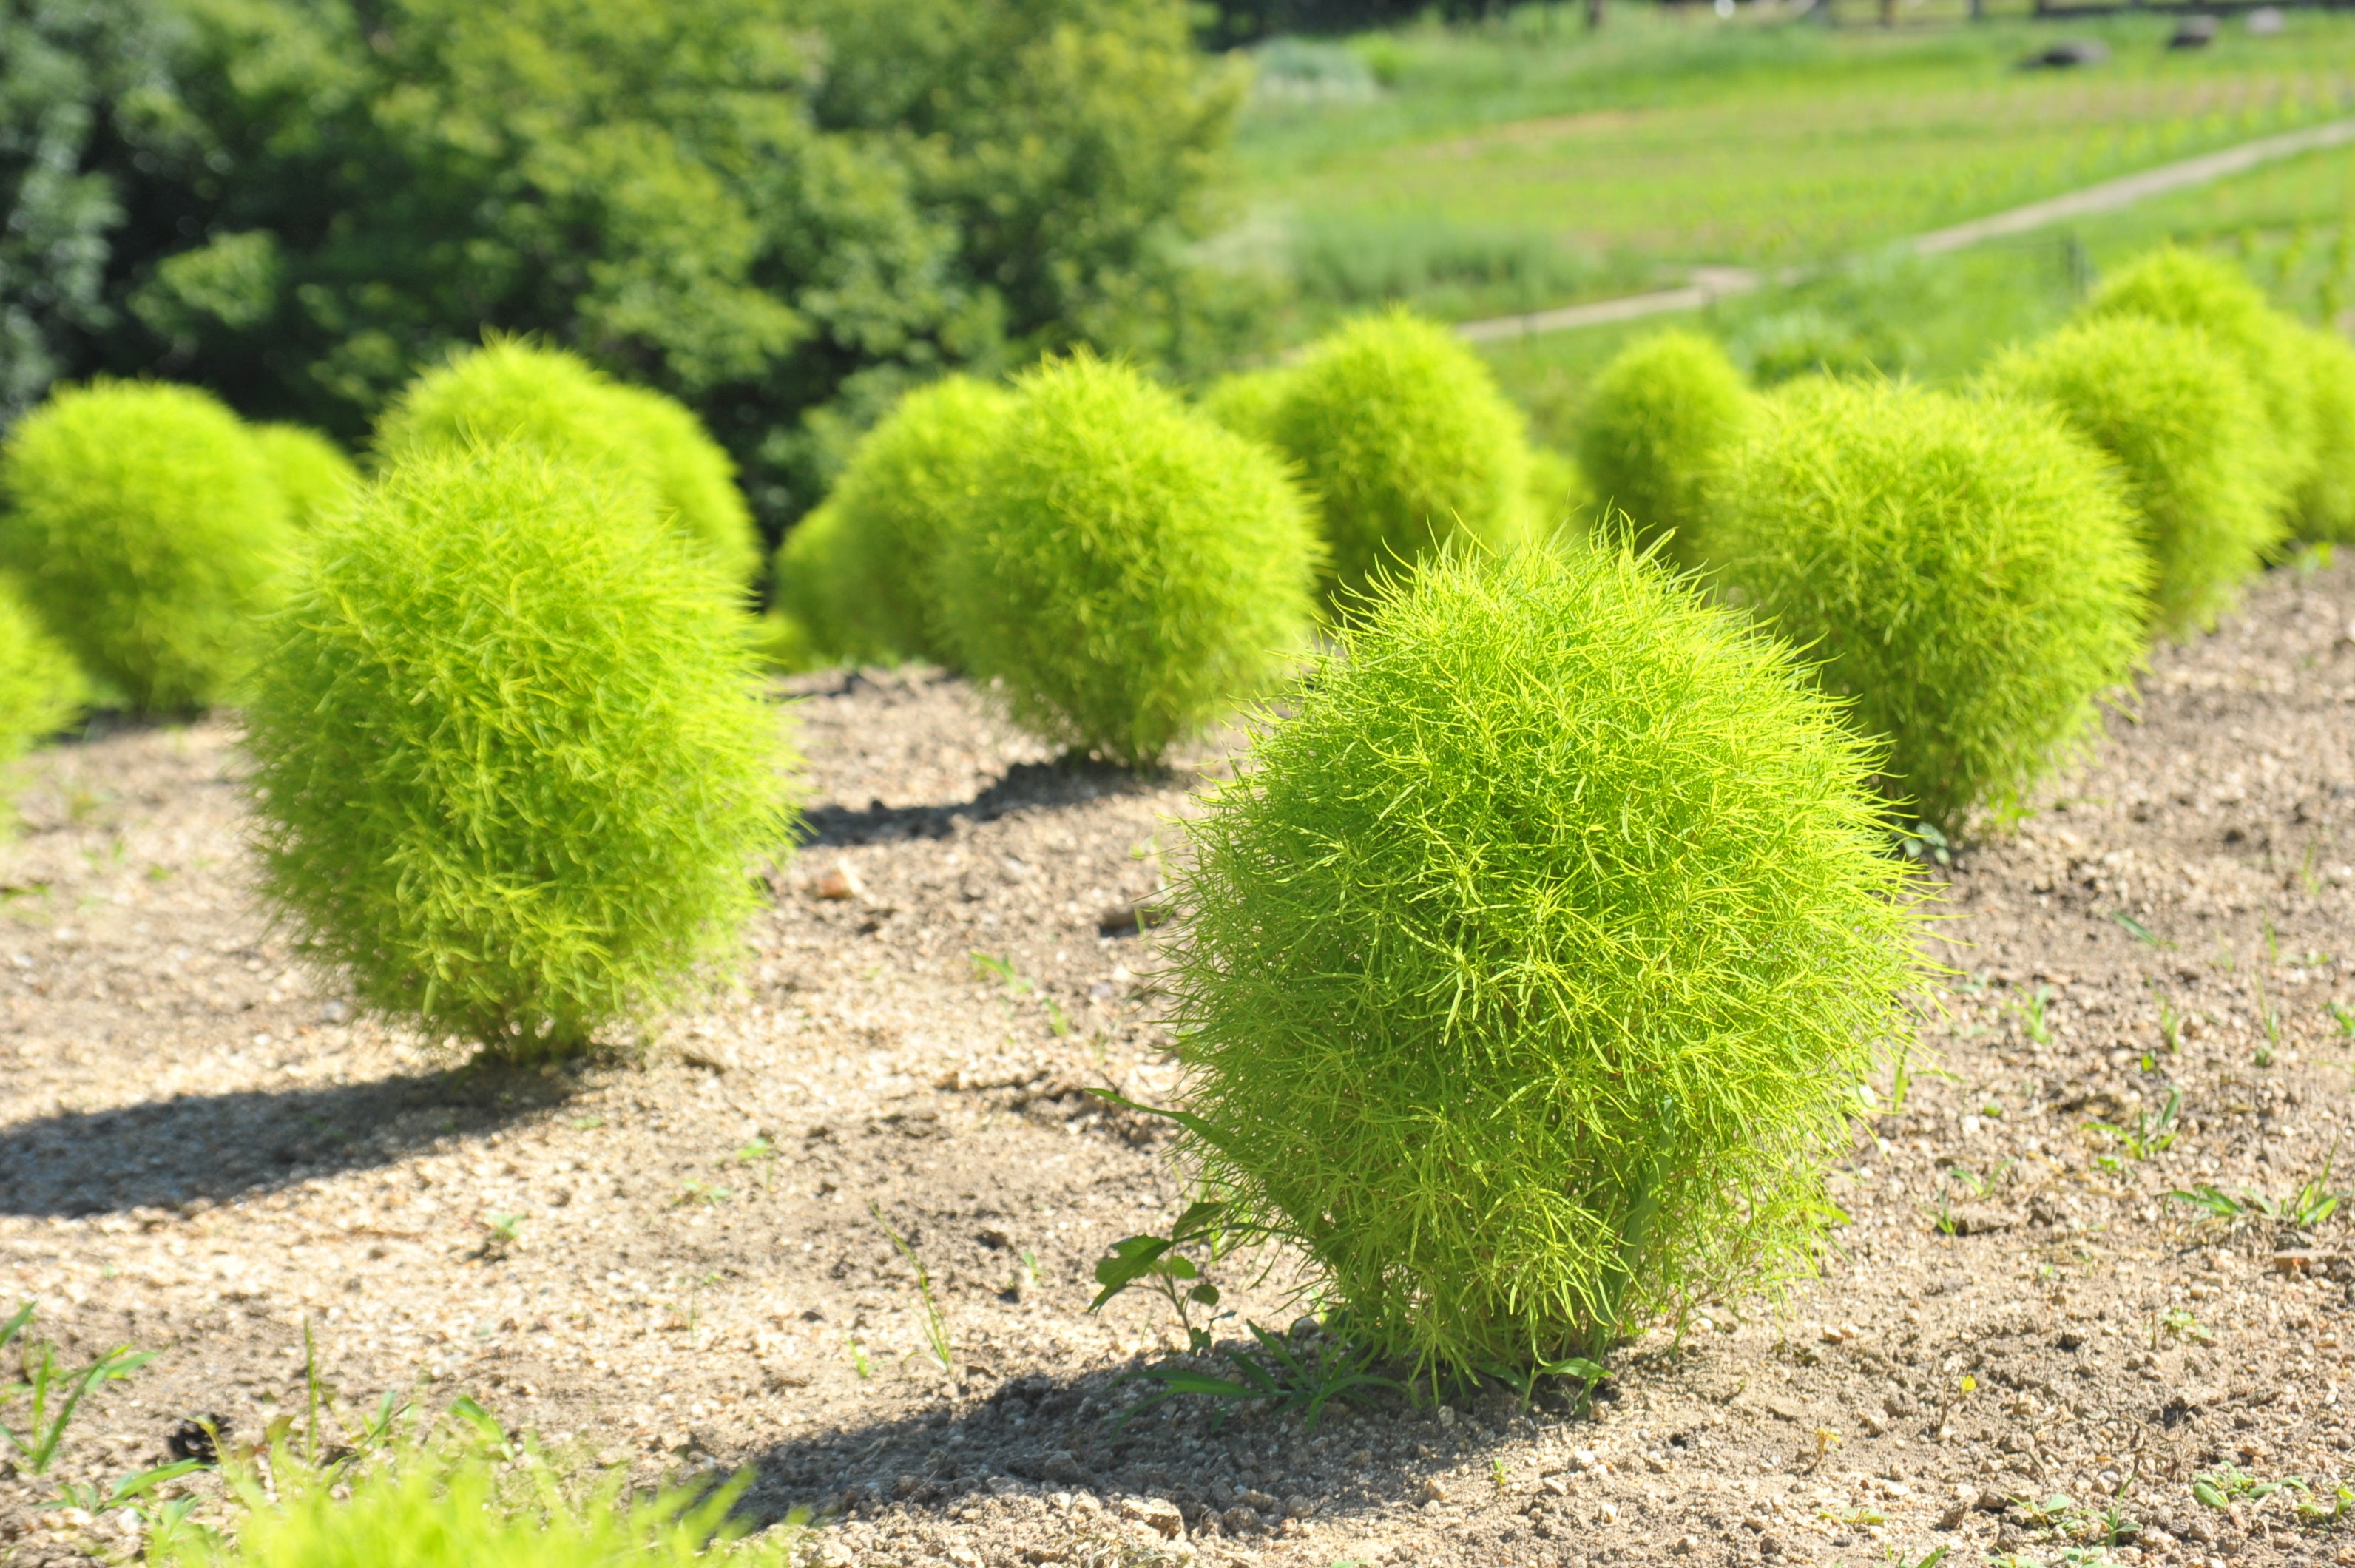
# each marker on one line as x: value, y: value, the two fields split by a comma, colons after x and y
x: 200, y: 1151
x: 1708, y: 284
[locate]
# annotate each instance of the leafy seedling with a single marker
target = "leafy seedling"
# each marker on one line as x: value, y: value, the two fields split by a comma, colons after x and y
x: 2315, y: 1516
x: 2309, y: 1206
x: 2221, y: 1488
x: 695, y: 1190
x: 1157, y: 1264
x: 1279, y: 1378
x: 2175, y: 1323
x: 2170, y: 1022
x: 2138, y: 930
x: 2030, y: 1010
x: 764, y: 1153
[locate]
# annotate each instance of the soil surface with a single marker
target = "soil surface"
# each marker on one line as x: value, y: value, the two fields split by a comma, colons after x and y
x: 683, y: 1257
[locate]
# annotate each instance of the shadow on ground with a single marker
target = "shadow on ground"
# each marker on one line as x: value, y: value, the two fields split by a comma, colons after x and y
x: 167, y: 1153
x: 1026, y: 786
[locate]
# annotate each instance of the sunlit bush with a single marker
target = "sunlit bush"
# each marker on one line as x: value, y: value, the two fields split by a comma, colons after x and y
x: 148, y: 534
x: 512, y: 763
x: 311, y: 471
x: 1532, y: 962
x: 1659, y: 416
x: 1132, y: 571
x: 1965, y: 571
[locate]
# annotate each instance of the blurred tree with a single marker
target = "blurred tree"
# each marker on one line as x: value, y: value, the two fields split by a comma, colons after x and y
x: 782, y: 211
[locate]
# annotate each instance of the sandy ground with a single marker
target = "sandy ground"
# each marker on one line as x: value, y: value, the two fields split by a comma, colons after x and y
x: 678, y: 1257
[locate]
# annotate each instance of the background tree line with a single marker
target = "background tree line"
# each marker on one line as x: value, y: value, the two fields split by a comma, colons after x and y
x: 782, y: 211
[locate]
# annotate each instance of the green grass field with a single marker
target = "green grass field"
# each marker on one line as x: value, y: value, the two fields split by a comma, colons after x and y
x: 1479, y: 171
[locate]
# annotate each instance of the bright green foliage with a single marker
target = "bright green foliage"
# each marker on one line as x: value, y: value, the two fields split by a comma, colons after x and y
x: 1132, y: 571
x: 1559, y: 497
x: 784, y: 645
x: 40, y: 685
x: 511, y: 758
x: 1967, y: 571
x: 312, y: 471
x: 1247, y: 401
x: 2175, y: 411
x: 2326, y: 507
x: 148, y: 533
x: 1532, y: 963
x: 1405, y: 442
x: 1661, y: 414
x: 2197, y: 291
x: 448, y: 1505
x: 913, y: 480
x: 807, y: 585
x: 510, y: 391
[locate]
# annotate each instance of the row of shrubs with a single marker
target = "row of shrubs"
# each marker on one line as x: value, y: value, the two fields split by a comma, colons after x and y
x: 1973, y: 568
x: 513, y: 749
x: 1126, y: 568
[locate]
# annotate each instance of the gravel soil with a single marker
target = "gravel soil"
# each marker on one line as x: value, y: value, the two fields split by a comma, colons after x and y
x: 682, y: 1255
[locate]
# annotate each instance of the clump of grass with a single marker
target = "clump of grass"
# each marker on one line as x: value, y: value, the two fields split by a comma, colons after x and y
x: 1965, y: 571
x: 1405, y: 442
x: 1660, y: 416
x: 2326, y: 507
x: 510, y: 390
x: 311, y: 471
x: 913, y: 480
x: 2175, y: 411
x: 41, y: 688
x: 145, y: 529
x: 2210, y: 295
x: 1131, y: 572
x: 1532, y: 965
x: 511, y: 763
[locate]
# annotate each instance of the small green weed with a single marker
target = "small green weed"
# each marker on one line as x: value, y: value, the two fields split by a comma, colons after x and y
x: 2030, y: 1010
x: 2315, y: 1516
x: 989, y: 966
x: 2345, y: 1017
x: 695, y: 1190
x: 2220, y: 1488
x: 2170, y: 1022
x: 1280, y: 1379
x: 762, y: 1152
x: 2150, y: 1135
x: 2309, y: 1206
x: 1157, y: 1263
x: 51, y: 1395
x: 2178, y: 1322
x: 2138, y: 930
x: 936, y: 1323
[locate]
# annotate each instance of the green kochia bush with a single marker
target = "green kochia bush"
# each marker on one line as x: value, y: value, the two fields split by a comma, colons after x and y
x: 311, y: 471
x: 807, y: 584
x: 1404, y: 441
x: 40, y: 685
x: 512, y: 764
x: 1967, y: 571
x: 1131, y: 571
x: 2176, y: 412
x: 2190, y: 290
x: 2326, y: 507
x: 1531, y: 965
x: 148, y: 534
x: 510, y: 390
x: 911, y: 481
x: 1660, y: 415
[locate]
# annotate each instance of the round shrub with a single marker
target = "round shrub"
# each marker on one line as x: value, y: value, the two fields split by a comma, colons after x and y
x: 1404, y: 442
x: 311, y: 471
x: 1530, y: 966
x: 2176, y: 413
x: 40, y: 685
x: 2326, y: 507
x: 1246, y: 403
x: 513, y: 767
x: 912, y: 481
x: 148, y: 534
x: 1660, y: 415
x: 1560, y: 498
x: 808, y: 582
x: 510, y: 390
x: 2187, y: 289
x: 1131, y: 572
x: 1967, y: 571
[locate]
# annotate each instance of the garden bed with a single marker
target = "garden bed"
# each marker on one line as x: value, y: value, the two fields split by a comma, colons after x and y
x: 683, y: 1263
